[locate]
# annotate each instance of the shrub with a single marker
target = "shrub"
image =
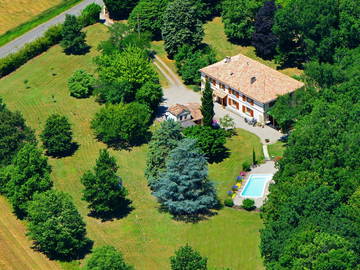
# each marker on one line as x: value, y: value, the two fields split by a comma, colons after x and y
x: 90, y: 15
x: 81, y: 84
x: 248, y: 204
x: 246, y: 166
x: 228, y: 202
x: 13, y: 61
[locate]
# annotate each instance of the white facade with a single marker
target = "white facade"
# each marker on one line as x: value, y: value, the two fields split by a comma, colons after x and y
x: 184, y: 116
x: 236, y: 101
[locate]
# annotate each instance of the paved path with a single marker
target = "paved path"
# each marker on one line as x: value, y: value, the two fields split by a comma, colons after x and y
x: 38, y: 31
x: 267, y: 168
x: 177, y: 92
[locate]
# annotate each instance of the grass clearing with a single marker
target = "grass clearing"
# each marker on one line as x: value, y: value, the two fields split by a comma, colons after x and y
x: 216, y: 38
x: 277, y: 149
x: 146, y: 237
x: 20, y: 16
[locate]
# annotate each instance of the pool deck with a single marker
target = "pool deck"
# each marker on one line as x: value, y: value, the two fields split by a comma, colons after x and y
x: 267, y: 168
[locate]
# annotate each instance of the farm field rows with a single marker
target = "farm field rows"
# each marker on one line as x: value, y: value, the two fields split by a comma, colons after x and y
x: 147, y: 237
x: 15, y: 12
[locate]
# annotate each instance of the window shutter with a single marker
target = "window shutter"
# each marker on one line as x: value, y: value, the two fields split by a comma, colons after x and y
x: 244, y: 98
x: 251, y: 113
x: 243, y: 109
x: 229, y: 101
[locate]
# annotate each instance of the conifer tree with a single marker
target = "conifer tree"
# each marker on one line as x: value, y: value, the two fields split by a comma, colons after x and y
x: 184, y: 188
x: 28, y: 174
x: 73, y: 40
x: 207, y: 105
x: 165, y: 139
x: 186, y: 258
x: 103, y: 189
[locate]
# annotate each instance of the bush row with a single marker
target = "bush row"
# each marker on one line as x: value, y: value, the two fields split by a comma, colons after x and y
x: 51, y: 37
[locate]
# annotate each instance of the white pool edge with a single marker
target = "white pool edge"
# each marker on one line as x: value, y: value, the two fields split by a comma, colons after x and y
x: 263, y: 190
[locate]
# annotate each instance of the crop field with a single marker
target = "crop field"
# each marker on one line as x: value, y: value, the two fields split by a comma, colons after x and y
x: 15, y: 12
x: 146, y: 237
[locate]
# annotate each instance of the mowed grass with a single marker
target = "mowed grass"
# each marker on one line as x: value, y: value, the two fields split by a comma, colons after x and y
x: 16, y: 12
x: 277, y: 149
x: 216, y: 38
x: 15, y: 251
x: 146, y: 237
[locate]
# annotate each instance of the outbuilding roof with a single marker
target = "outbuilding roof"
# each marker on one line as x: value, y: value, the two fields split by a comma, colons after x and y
x: 252, y: 78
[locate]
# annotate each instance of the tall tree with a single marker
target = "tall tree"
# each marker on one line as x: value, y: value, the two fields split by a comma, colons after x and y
x: 207, y: 105
x: 349, y: 23
x: 186, y: 258
x: 120, y: 9
x: 122, y: 124
x: 73, y: 39
x: 148, y: 16
x: 239, y: 17
x: 210, y: 141
x: 127, y: 71
x: 57, y: 136
x: 263, y: 38
x: 181, y: 26
x: 13, y: 134
x: 106, y: 258
x: 56, y: 226
x: 184, y: 188
x: 164, y: 139
x: 104, y: 190
x: 30, y: 173
x: 307, y: 30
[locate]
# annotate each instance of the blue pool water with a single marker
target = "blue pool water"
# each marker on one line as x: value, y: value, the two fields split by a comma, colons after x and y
x: 255, y: 186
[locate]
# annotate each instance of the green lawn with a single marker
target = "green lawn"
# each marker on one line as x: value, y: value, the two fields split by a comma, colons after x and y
x: 277, y: 149
x: 146, y: 237
x: 216, y: 38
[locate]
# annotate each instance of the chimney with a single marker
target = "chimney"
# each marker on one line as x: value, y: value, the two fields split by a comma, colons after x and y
x: 227, y: 59
x: 252, y: 80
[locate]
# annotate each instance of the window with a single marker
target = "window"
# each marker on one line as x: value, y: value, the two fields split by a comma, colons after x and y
x: 249, y: 100
x: 234, y: 104
x: 248, y: 111
x: 213, y: 82
x: 244, y: 98
x: 235, y: 93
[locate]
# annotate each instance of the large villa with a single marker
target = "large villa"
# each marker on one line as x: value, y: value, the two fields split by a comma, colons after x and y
x: 246, y: 86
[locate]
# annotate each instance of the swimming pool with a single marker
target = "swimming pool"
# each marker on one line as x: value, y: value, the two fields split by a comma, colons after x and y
x: 255, y: 186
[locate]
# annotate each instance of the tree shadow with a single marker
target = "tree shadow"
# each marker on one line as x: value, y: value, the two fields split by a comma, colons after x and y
x: 220, y: 156
x: 78, y: 254
x: 123, y: 210
x: 73, y: 148
x: 82, y: 51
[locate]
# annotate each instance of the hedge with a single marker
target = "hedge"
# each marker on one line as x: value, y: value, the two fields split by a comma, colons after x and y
x: 51, y: 37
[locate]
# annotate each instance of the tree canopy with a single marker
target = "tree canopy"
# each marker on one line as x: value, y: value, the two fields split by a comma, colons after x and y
x: 120, y: 9
x: 56, y: 226
x: 186, y: 258
x: 164, y: 139
x: 106, y: 258
x: 29, y: 173
x: 104, y: 190
x: 148, y: 16
x: 181, y: 26
x: 81, y: 84
x: 14, y: 133
x: 238, y: 17
x: 122, y: 124
x: 184, y: 188
x: 73, y: 39
x: 57, y: 136
x: 207, y: 105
